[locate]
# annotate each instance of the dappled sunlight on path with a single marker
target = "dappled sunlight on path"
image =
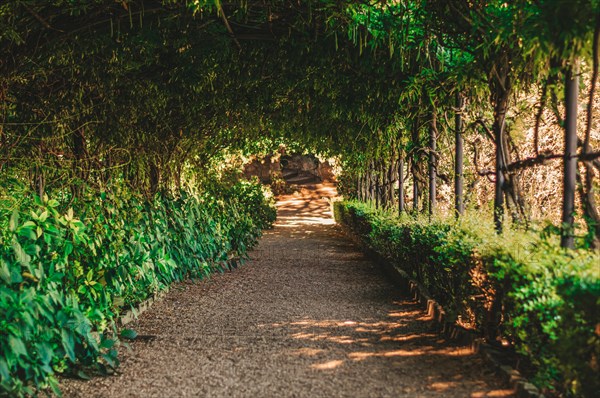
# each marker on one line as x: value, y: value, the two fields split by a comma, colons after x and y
x: 308, y: 316
x: 309, y: 206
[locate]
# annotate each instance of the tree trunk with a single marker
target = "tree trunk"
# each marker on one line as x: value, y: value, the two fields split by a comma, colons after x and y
x: 371, y: 183
x: 500, y: 86
x: 591, y: 210
x: 432, y: 162
x: 377, y: 187
x: 400, y: 183
x: 506, y: 184
x: 387, y: 189
x: 393, y: 172
x: 154, y: 178
x: 415, y: 165
x: 459, y: 158
x: 570, y: 157
x: 499, y: 186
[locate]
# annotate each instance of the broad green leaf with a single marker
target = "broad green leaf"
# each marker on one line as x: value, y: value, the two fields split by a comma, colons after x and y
x: 107, y: 343
x: 20, y: 254
x: 45, y: 352
x: 15, y: 275
x: 17, y: 345
x: 82, y: 375
x: 68, y: 248
x: 43, y: 217
x: 128, y: 334
x: 4, y: 371
x: 68, y: 343
x: 5, y: 273
x: 27, y: 232
x: 53, y: 382
x: 14, y: 221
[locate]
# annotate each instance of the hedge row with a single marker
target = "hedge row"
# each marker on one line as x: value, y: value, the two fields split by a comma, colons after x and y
x: 519, y: 286
x: 68, y: 268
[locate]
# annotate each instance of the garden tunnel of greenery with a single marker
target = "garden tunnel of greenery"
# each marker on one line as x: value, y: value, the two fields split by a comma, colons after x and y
x: 120, y: 123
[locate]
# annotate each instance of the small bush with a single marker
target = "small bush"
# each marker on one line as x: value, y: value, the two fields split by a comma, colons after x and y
x: 542, y: 298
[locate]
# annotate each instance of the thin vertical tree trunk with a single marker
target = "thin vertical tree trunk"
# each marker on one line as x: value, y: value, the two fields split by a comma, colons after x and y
x: 570, y: 157
x: 366, y: 185
x: 371, y: 183
x: 154, y: 178
x: 591, y: 210
x: 391, y: 179
x: 415, y: 167
x: 377, y: 198
x: 501, y: 149
x: 383, y: 184
x: 501, y: 88
x: 415, y: 195
x: 360, y: 187
x: 387, y: 196
x: 382, y: 180
x: 401, y: 204
x: 432, y: 162
x: 459, y: 157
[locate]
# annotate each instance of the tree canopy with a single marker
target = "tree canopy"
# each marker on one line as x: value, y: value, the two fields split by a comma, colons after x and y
x: 141, y: 88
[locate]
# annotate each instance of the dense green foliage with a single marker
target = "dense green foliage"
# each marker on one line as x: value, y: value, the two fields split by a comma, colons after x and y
x: 148, y: 86
x: 544, y: 299
x: 114, y: 108
x: 68, y: 269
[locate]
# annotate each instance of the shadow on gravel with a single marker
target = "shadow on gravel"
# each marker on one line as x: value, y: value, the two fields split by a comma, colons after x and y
x: 402, y: 342
x: 308, y: 316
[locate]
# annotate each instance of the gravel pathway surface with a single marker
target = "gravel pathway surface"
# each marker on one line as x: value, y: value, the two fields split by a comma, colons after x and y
x: 308, y: 316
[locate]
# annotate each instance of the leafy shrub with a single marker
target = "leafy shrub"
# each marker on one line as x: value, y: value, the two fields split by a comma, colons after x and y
x: 68, y: 268
x: 542, y: 298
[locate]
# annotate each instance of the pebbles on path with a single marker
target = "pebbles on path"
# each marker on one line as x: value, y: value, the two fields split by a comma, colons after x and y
x: 307, y: 316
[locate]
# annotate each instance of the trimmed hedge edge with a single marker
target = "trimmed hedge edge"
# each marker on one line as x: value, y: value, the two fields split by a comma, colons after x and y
x: 450, y: 330
x: 519, y: 287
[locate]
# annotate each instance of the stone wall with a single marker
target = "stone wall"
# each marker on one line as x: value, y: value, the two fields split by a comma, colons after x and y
x: 289, y: 167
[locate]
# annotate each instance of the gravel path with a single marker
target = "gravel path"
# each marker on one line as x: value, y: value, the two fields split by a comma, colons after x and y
x: 308, y: 316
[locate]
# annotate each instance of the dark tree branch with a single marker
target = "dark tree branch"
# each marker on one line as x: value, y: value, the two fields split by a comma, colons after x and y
x: 485, y: 172
x: 554, y: 107
x: 589, y: 156
x: 39, y: 18
x: 513, y: 146
x: 486, y: 129
x: 543, y: 157
x: 532, y: 161
x: 228, y: 27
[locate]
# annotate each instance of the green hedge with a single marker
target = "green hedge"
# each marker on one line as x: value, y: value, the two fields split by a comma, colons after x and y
x: 542, y: 298
x: 68, y: 268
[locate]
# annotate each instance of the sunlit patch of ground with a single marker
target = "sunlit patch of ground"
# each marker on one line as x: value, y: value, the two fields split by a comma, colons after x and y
x: 308, y: 316
x: 329, y: 365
